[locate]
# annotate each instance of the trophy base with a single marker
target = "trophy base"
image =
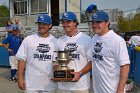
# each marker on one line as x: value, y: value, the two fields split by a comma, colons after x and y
x: 62, y: 79
x: 63, y: 75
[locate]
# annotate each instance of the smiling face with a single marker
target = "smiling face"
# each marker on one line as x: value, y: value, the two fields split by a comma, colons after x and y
x: 43, y: 28
x: 100, y: 27
x: 70, y: 27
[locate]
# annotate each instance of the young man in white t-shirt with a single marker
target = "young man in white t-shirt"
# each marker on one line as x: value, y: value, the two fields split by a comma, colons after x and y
x: 110, y: 57
x: 79, y: 44
x: 134, y: 40
x: 35, y: 56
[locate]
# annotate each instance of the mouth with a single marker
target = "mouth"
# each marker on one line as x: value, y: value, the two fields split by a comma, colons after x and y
x: 66, y: 27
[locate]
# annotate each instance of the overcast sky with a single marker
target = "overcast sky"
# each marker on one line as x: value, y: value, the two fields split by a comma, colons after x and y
x: 112, y: 4
x: 103, y: 4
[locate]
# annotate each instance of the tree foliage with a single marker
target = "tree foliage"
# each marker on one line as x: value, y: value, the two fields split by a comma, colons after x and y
x: 130, y: 23
x: 4, y: 13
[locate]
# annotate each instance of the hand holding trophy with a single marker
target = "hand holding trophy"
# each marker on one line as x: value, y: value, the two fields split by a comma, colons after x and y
x: 63, y: 72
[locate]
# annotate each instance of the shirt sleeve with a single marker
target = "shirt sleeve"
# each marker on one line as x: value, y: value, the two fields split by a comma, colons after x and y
x: 121, y: 52
x: 22, y: 51
x: 89, y: 50
x: 6, y: 41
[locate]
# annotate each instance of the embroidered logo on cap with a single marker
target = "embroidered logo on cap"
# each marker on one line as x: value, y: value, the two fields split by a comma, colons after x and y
x: 42, y: 17
x: 65, y: 14
x: 94, y: 15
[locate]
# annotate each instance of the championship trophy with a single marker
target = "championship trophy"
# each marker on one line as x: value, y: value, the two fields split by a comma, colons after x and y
x: 63, y: 73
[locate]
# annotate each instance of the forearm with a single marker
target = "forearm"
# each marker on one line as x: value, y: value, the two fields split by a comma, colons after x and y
x: 5, y: 46
x: 55, y: 66
x: 21, y: 66
x: 87, y: 68
x: 123, y: 78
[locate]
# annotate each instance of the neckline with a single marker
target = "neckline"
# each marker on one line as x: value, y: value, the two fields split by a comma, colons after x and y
x: 43, y: 37
x: 75, y: 34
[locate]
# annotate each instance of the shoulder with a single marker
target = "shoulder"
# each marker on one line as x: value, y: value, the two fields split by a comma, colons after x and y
x: 117, y: 39
x: 62, y: 37
x: 33, y: 36
x: 53, y: 38
x: 85, y: 35
x: 10, y: 36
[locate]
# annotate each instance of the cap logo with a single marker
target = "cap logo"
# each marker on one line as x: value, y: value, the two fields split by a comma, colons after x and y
x: 95, y: 15
x: 42, y: 17
x: 65, y: 14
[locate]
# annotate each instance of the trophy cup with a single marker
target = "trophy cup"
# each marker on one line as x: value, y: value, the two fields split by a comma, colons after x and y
x: 63, y: 71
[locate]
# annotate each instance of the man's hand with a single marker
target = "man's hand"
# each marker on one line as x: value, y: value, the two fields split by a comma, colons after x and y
x: 76, y: 76
x: 21, y: 84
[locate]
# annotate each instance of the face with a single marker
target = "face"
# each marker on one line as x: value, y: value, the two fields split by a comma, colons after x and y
x: 9, y: 23
x: 43, y: 28
x: 16, y: 20
x: 68, y: 25
x: 100, y: 27
x: 15, y: 32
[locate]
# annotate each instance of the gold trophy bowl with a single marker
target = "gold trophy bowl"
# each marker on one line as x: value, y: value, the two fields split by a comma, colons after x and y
x: 63, y: 73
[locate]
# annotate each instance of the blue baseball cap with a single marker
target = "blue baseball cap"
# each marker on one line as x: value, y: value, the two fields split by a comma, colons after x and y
x: 44, y: 18
x: 91, y: 7
x: 68, y: 16
x: 15, y: 28
x: 100, y: 16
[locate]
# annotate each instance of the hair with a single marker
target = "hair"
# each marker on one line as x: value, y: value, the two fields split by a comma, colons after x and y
x: 8, y: 22
x: 77, y: 23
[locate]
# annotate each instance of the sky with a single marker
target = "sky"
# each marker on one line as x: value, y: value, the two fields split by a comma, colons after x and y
x: 124, y: 5
x: 6, y: 2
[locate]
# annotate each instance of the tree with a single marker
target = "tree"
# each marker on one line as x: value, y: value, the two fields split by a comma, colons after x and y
x: 129, y: 23
x: 122, y: 24
x: 4, y: 13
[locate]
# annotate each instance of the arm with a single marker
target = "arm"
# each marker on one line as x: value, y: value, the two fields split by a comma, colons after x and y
x: 21, y: 82
x: 6, y: 46
x: 86, y: 69
x: 9, y: 30
x: 55, y: 65
x: 123, y: 78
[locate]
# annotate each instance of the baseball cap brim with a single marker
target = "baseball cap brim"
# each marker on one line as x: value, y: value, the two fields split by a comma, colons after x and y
x: 67, y: 19
x: 41, y: 22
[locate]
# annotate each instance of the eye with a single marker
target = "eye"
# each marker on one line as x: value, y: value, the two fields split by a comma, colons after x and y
x: 41, y: 23
x: 66, y: 21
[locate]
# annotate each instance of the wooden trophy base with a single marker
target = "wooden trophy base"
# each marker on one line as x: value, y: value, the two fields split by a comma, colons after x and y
x: 62, y: 79
x: 63, y: 76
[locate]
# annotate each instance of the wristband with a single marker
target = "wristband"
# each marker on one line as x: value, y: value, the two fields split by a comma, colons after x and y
x: 81, y: 74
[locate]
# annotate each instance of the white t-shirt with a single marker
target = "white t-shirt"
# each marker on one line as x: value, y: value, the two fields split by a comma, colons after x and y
x: 38, y: 52
x: 80, y: 47
x: 109, y: 53
x: 134, y: 40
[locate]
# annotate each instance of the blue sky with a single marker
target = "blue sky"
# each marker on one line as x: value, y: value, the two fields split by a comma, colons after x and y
x: 4, y: 2
x: 104, y: 4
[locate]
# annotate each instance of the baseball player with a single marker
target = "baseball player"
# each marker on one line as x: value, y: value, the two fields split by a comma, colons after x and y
x: 14, y: 41
x: 110, y: 64
x: 35, y: 55
x: 79, y: 44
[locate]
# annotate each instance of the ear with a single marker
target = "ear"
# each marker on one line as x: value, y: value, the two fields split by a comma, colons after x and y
x: 50, y: 26
x: 107, y: 23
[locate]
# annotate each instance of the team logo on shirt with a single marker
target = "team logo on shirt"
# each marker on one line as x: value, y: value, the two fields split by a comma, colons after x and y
x: 43, y: 48
x: 71, y: 47
x: 97, y: 48
x: 42, y: 52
